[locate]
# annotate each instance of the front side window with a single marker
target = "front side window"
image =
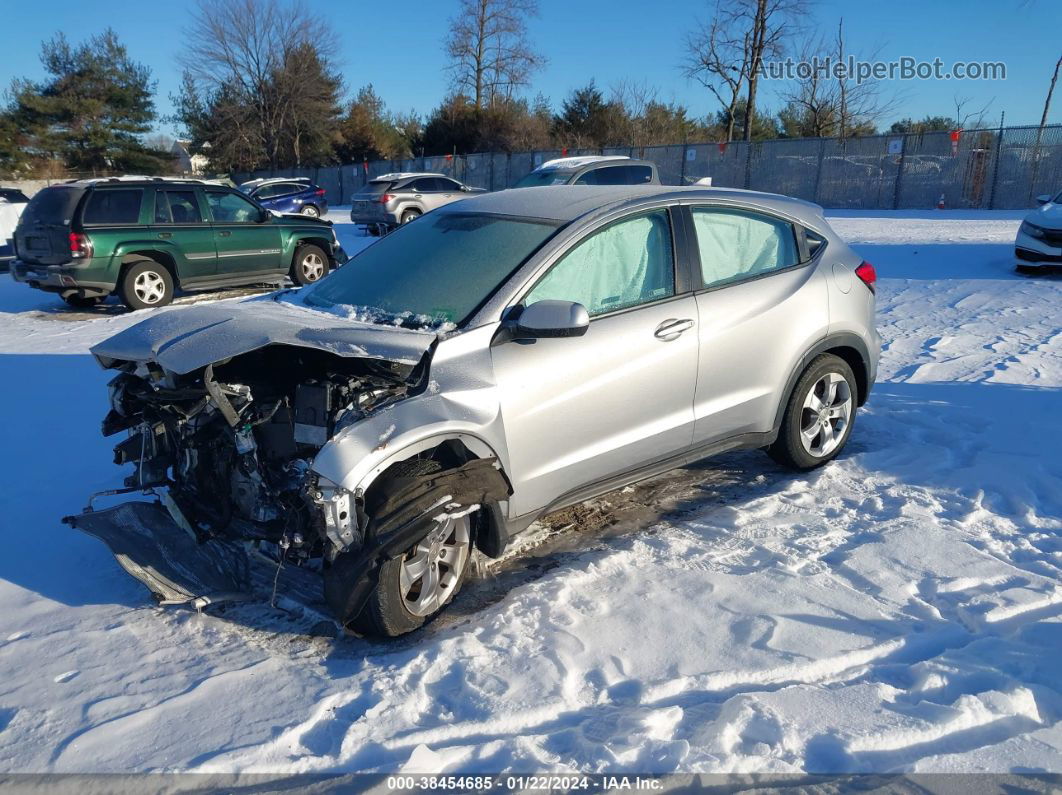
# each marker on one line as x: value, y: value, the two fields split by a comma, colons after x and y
x: 113, y: 207
x: 231, y: 208
x: 735, y: 244
x: 624, y: 265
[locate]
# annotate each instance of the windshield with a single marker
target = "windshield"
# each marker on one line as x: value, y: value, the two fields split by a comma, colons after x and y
x: 547, y: 176
x: 433, y: 272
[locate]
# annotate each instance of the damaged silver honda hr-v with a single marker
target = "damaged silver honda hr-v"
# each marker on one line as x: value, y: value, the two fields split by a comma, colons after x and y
x: 502, y: 357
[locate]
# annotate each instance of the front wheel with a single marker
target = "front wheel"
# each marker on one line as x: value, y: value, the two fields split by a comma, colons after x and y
x: 819, y: 416
x: 416, y: 585
x: 310, y: 265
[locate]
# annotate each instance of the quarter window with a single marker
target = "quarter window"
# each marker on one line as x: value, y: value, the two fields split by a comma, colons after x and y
x: 113, y: 206
x: 231, y: 208
x: 736, y: 245
x: 624, y: 265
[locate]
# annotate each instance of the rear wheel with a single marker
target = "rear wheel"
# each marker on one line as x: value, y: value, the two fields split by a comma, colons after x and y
x: 310, y: 210
x: 819, y: 415
x: 410, y: 215
x: 310, y: 265
x: 146, y: 284
x: 417, y: 585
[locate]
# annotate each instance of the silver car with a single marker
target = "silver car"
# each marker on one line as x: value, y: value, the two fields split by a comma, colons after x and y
x: 391, y: 200
x: 500, y: 359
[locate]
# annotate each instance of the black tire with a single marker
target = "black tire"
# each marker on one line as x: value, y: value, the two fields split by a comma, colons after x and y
x: 789, y: 450
x: 310, y: 211
x: 410, y: 215
x: 83, y: 301
x: 146, y: 285
x: 1027, y: 270
x: 309, y: 265
x: 385, y: 615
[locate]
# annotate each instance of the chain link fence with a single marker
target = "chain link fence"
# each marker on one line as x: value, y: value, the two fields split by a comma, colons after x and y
x: 1003, y: 168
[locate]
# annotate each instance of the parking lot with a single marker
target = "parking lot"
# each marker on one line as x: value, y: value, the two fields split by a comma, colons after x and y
x: 896, y: 610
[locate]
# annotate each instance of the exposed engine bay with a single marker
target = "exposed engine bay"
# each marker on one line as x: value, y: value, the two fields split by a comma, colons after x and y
x: 232, y: 442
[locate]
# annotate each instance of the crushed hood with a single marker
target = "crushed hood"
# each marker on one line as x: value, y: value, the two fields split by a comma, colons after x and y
x: 184, y: 340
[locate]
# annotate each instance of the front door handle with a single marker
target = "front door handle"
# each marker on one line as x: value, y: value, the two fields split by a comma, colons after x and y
x: 165, y: 235
x: 224, y: 233
x: 672, y: 328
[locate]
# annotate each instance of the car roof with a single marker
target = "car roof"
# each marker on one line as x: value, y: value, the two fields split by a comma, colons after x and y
x: 565, y: 203
x: 257, y: 183
x: 578, y: 162
x: 406, y: 175
x: 140, y: 180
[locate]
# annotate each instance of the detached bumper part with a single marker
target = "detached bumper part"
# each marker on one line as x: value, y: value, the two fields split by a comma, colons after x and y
x: 154, y: 549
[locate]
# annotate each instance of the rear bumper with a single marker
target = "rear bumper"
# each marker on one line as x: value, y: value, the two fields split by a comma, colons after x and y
x: 373, y: 218
x: 87, y: 276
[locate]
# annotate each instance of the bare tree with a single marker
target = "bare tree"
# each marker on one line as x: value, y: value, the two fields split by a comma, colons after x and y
x: 769, y: 23
x: 247, y: 50
x: 717, y: 57
x: 1050, y: 91
x: 488, y: 48
x: 966, y: 117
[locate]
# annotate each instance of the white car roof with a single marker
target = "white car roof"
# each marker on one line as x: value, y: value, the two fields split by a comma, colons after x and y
x: 578, y: 162
x: 407, y: 174
x: 272, y: 180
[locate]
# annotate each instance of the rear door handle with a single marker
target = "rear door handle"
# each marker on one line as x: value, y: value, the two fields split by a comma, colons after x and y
x: 672, y: 328
x: 165, y: 235
x: 224, y: 233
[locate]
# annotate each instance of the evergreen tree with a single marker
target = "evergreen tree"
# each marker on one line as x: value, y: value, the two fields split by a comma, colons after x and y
x: 92, y: 110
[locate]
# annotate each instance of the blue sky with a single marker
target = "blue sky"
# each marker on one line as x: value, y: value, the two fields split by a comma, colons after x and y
x: 397, y: 46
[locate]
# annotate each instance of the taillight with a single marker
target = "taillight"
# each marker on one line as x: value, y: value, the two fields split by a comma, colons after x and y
x: 867, y: 274
x: 80, y: 246
x: 386, y: 198
x: 319, y: 192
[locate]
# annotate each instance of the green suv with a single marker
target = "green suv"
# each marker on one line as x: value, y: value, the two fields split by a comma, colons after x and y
x: 144, y: 238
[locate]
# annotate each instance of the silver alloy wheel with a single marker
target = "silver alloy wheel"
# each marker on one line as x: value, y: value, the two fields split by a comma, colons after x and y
x: 149, y: 287
x: 310, y: 210
x: 313, y: 266
x: 825, y: 415
x: 432, y: 570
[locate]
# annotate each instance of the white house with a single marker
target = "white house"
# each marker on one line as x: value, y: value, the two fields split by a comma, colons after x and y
x: 188, y: 163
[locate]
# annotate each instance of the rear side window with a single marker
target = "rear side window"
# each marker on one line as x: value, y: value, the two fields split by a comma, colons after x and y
x: 177, y: 207
x: 53, y: 205
x: 624, y: 265
x: 735, y: 245
x: 617, y: 175
x: 113, y: 206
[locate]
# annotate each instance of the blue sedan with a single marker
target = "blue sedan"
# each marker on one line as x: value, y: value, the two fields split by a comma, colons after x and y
x: 288, y: 195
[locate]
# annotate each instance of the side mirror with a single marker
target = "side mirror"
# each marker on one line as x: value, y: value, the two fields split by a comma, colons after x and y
x: 544, y: 319
x: 1043, y: 198
x: 465, y: 189
x: 264, y: 215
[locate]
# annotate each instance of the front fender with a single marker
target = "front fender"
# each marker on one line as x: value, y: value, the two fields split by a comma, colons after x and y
x: 358, y: 454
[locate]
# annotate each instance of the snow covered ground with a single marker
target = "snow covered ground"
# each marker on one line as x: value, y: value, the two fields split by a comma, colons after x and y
x: 898, y: 610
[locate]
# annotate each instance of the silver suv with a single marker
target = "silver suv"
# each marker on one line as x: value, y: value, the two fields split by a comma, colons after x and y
x: 390, y: 200
x: 504, y: 357
x: 592, y: 170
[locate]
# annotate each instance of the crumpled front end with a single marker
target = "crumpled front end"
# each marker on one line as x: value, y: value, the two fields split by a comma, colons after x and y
x: 228, y: 449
